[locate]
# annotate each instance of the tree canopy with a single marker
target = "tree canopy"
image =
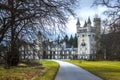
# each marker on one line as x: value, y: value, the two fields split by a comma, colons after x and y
x: 23, y: 19
x: 113, y: 10
x: 110, y: 43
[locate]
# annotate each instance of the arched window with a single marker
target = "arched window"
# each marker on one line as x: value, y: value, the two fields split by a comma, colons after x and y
x: 83, y: 44
x: 83, y: 35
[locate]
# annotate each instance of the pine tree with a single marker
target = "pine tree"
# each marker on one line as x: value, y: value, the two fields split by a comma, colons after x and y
x: 75, y: 41
x: 71, y: 41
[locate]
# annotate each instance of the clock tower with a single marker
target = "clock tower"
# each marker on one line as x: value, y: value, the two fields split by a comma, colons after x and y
x: 86, y: 40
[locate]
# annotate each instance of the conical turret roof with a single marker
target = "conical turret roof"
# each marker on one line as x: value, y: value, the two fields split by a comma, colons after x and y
x: 89, y: 21
x: 78, y: 22
x: 85, y: 24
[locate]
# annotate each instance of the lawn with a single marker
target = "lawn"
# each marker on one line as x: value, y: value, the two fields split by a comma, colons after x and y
x: 52, y: 68
x: 107, y: 70
x: 47, y: 70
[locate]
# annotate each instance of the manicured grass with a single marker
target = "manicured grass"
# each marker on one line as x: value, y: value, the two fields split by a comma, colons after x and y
x: 46, y: 71
x: 107, y: 70
x: 51, y: 70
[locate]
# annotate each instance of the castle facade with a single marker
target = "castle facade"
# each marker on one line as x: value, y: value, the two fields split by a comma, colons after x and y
x: 87, y: 38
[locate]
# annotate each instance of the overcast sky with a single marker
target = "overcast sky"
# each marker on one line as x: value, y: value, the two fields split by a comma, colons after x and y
x: 84, y: 11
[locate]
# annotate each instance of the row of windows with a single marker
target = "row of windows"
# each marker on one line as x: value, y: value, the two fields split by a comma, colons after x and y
x: 89, y: 35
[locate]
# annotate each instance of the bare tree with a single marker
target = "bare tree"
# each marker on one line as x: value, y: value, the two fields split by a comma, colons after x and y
x: 113, y: 11
x: 110, y: 41
x: 18, y: 17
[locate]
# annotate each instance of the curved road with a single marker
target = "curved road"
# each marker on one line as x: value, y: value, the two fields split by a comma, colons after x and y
x: 68, y: 71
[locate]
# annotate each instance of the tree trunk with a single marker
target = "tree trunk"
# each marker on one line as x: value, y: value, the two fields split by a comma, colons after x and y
x: 13, y: 53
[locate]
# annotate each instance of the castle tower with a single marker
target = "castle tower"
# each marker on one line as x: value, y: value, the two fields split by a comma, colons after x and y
x: 86, y: 40
x: 78, y: 24
x: 97, y: 24
x: 89, y: 22
x: 85, y: 24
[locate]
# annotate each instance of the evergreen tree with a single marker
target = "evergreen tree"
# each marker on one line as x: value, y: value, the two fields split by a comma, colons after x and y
x: 66, y: 38
x: 75, y: 41
x: 71, y: 41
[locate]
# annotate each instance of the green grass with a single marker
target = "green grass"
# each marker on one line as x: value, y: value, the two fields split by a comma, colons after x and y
x: 107, y: 70
x: 51, y: 70
x: 46, y: 71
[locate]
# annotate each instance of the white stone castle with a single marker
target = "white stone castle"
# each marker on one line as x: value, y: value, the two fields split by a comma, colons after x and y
x: 86, y: 45
x: 86, y: 38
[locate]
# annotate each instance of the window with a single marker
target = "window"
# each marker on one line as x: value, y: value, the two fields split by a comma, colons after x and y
x: 89, y: 35
x: 83, y: 44
x: 83, y: 35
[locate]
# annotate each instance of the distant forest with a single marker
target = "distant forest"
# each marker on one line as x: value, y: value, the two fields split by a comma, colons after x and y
x: 71, y: 41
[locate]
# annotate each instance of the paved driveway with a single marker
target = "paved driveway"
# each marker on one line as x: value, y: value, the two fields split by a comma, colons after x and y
x: 68, y: 71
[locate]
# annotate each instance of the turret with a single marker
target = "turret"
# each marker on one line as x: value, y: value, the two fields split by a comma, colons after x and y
x: 89, y: 22
x: 97, y: 24
x: 85, y: 24
x: 78, y: 23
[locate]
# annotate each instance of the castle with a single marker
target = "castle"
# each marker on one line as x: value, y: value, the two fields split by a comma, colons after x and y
x: 86, y: 38
x: 57, y: 50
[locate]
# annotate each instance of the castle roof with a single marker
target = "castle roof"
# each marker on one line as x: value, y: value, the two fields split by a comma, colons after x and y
x: 85, y: 24
x: 89, y: 21
x: 78, y: 22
